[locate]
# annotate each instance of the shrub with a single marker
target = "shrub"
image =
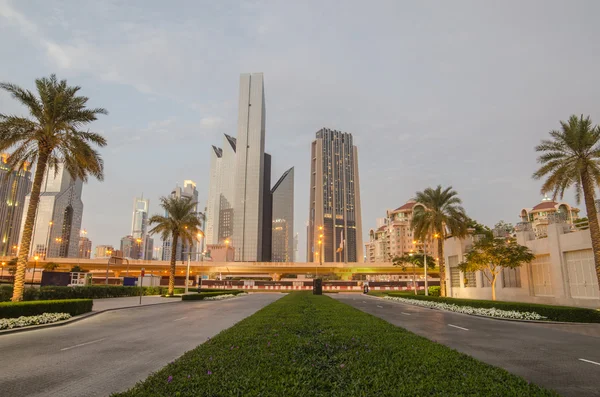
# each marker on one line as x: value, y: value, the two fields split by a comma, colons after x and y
x: 87, y: 292
x: 25, y: 321
x: 6, y: 292
x: 434, y: 291
x: 73, y: 307
x: 308, y: 345
x: 200, y: 296
x: 552, y: 313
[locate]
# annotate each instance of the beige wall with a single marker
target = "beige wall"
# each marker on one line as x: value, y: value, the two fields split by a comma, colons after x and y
x: 563, y: 272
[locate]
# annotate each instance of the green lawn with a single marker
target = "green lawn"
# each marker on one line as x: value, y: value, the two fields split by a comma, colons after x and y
x: 306, y: 345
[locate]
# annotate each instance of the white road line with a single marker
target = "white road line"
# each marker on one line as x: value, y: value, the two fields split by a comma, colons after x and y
x: 588, y: 361
x: 380, y: 306
x: 456, y: 326
x: 82, y: 344
x: 364, y: 302
x: 179, y: 319
x: 406, y: 314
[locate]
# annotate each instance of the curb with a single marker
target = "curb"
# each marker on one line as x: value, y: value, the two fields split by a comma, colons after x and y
x: 76, y: 318
x: 488, y: 317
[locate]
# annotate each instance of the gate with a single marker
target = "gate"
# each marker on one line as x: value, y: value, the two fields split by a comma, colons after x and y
x: 541, y: 277
x: 583, y: 282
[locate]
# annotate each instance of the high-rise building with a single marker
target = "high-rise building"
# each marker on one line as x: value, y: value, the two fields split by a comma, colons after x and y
x: 334, y: 199
x: 131, y: 247
x: 296, y: 247
x: 58, y: 218
x: 13, y: 190
x: 248, y: 218
x: 188, y: 191
x: 139, y: 225
x: 104, y: 251
x: 214, y: 193
x: 282, y: 196
x: 85, y: 248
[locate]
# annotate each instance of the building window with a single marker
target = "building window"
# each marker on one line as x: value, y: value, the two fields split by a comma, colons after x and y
x: 511, y: 278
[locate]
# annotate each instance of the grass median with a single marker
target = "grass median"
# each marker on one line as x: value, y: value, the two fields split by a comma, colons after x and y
x: 306, y: 345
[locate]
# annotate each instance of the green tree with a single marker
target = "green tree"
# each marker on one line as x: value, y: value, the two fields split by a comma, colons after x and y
x: 442, y: 217
x: 181, y: 222
x: 572, y: 158
x: 503, y: 229
x: 414, y: 260
x: 51, y: 266
x: 78, y: 269
x: 53, y: 134
x: 478, y: 228
x: 490, y: 255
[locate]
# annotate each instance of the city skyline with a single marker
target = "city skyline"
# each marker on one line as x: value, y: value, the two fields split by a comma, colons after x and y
x: 412, y: 115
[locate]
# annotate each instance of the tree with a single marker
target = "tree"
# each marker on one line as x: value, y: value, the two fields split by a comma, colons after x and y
x: 414, y: 260
x: 181, y: 222
x: 490, y: 255
x: 51, y: 266
x: 478, y: 228
x: 78, y: 269
x: 442, y: 217
x: 52, y: 135
x: 503, y: 229
x: 572, y: 158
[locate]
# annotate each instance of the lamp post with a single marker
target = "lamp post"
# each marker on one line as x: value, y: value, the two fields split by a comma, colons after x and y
x: 414, y: 273
x: 36, y: 258
x: 2, y: 273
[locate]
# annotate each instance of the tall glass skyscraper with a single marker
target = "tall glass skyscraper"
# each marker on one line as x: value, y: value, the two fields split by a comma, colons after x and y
x: 12, y: 204
x: 282, y: 196
x: 250, y: 167
x: 334, y: 199
x: 58, y: 218
x: 139, y: 226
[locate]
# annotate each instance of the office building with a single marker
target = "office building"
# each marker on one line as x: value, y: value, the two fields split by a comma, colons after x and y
x: 282, y: 196
x: 139, y: 226
x: 131, y: 247
x: 58, y: 218
x: 85, y: 248
x: 14, y: 187
x: 104, y: 251
x: 248, y: 218
x: 334, y: 199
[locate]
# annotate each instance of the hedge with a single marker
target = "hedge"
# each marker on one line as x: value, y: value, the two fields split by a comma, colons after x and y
x: 84, y: 292
x: 200, y: 296
x: 309, y: 345
x: 552, y: 313
x: 73, y: 307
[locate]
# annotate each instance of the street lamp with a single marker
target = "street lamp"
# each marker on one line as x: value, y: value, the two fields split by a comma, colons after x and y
x: 414, y: 272
x: 36, y: 258
x: 2, y: 273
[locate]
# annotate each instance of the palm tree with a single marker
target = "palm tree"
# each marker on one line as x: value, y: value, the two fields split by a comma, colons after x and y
x: 572, y: 158
x: 52, y: 135
x: 181, y: 221
x: 440, y: 216
x: 415, y: 260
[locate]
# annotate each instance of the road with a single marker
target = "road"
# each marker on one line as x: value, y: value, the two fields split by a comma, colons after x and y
x: 112, y: 351
x: 565, y: 358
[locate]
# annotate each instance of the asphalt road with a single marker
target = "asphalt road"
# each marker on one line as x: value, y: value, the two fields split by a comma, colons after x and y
x: 561, y: 357
x: 112, y: 351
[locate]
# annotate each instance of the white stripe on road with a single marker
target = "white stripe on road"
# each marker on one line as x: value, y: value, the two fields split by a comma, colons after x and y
x: 588, y: 361
x: 380, y: 306
x: 456, y: 326
x: 182, y: 318
x: 82, y: 344
x: 406, y: 314
x: 364, y: 302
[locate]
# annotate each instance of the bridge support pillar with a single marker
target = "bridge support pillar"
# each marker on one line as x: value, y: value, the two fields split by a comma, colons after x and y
x: 275, y: 276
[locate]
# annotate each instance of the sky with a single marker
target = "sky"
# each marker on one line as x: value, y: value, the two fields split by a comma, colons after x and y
x: 434, y: 92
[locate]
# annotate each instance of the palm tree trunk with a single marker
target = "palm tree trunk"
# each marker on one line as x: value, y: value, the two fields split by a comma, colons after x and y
x: 590, y: 208
x: 440, y: 248
x: 173, y: 261
x: 34, y: 199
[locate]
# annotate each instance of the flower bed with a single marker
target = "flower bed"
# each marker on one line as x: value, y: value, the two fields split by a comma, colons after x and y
x: 491, y: 312
x: 25, y: 321
x: 308, y: 345
x: 221, y: 297
x: 206, y: 295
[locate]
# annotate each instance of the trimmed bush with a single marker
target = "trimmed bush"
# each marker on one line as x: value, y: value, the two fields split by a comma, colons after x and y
x: 84, y: 292
x: 552, y: 313
x: 434, y: 291
x: 26, y: 321
x: 73, y: 307
x: 200, y: 296
x: 309, y: 345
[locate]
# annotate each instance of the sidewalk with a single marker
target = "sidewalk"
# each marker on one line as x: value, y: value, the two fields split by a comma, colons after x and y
x: 129, y: 301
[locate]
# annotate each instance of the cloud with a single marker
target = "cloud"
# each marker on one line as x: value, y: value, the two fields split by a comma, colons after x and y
x: 211, y: 122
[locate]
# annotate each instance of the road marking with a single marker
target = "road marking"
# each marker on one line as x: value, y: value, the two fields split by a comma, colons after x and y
x: 82, y: 344
x: 588, y: 361
x: 456, y: 326
x: 364, y: 302
x: 182, y: 318
x: 380, y: 306
x: 406, y: 314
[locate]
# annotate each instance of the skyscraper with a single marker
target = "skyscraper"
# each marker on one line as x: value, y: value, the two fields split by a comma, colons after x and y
x: 282, y: 196
x: 139, y: 225
x: 12, y: 204
x: 214, y: 194
x: 334, y: 199
x: 104, y: 251
x: 58, y: 219
x: 85, y: 248
x: 250, y: 163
